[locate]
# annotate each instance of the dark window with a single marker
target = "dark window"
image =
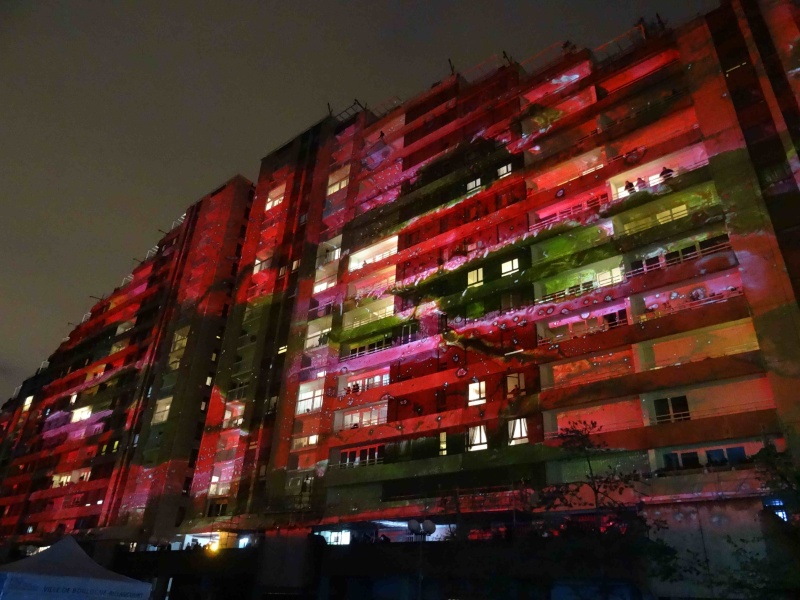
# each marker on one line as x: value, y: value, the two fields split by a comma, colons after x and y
x: 736, y: 455
x: 672, y: 409
x: 690, y: 460
x: 715, y: 458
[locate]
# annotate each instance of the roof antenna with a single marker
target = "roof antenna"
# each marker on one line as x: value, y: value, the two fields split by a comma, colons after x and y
x: 452, y: 67
x: 509, y: 60
x: 330, y: 110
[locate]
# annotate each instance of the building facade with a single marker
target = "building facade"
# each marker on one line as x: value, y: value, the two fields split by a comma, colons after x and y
x: 417, y: 299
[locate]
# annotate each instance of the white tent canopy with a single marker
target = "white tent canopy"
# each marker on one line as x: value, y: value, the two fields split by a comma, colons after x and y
x: 64, y: 570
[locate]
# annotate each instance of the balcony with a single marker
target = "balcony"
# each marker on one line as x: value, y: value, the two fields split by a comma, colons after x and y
x: 666, y: 377
x: 714, y: 310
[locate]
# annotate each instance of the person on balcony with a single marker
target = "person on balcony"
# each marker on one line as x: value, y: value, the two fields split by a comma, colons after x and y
x: 666, y: 173
x: 641, y: 184
x: 629, y: 187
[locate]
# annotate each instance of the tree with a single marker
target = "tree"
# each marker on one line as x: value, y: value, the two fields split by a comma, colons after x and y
x: 599, y: 521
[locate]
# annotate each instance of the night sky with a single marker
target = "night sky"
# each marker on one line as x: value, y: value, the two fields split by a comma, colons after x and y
x: 116, y: 115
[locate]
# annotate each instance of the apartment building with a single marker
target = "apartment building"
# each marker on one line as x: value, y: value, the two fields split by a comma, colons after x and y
x: 422, y: 295
x: 104, y: 438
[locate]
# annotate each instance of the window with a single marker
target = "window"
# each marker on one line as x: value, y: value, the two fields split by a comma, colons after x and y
x: 27, y: 404
x: 775, y: 505
x: 282, y: 271
x: 309, y: 401
x: 442, y: 444
x: 690, y: 460
x: 364, y: 417
x: 338, y: 180
x: 317, y: 339
x: 282, y: 349
x: 515, y: 385
x: 275, y: 197
x: 323, y: 285
x: 161, y: 411
x: 504, y: 171
x: 368, y: 455
x: 473, y: 187
x: 178, y: 347
x: 81, y: 414
x: 609, y: 277
x: 336, y: 538
x: 517, y: 432
x: 209, y: 379
x: 509, y: 267
x: 303, y: 442
x: 273, y: 202
x: 295, y: 265
x: 73, y: 398
x: 475, y: 278
x: 671, y: 409
x: 477, y: 438
x: 476, y: 393
x: 261, y: 264
x: 672, y: 214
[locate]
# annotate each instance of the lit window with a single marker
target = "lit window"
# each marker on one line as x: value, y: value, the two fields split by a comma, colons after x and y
x: 442, y: 444
x: 324, y: 285
x: 209, y: 379
x: 476, y: 393
x: 515, y: 384
x: 318, y: 339
x: 275, y: 197
x: 509, y: 267
x: 260, y: 264
x: 282, y: 271
x: 517, y: 432
x: 777, y: 507
x: 336, y: 538
x: 282, y: 349
x: 504, y: 171
x: 477, y: 438
x: 161, y: 411
x: 273, y: 202
x: 309, y: 401
x: 338, y: 180
x: 81, y: 414
x: 475, y: 278
x: 295, y: 264
x: 321, y: 374
x: 303, y: 442
x: 27, y: 404
x: 672, y: 214
x: 473, y: 187
x: 609, y: 277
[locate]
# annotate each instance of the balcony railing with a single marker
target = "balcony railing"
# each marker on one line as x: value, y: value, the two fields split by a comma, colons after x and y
x: 367, y: 423
x: 588, y: 286
x: 373, y: 259
x: 690, y: 415
x: 368, y: 462
x: 371, y: 290
x: 387, y: 311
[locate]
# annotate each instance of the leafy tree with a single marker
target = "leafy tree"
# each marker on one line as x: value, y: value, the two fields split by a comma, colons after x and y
x: 600, y: 522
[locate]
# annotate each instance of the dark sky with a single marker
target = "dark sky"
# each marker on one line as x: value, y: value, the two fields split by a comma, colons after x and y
x: 115, y: 115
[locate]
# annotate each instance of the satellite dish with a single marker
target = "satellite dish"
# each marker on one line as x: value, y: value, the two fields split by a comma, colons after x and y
x: 414, y: 526
x: 428, y: 527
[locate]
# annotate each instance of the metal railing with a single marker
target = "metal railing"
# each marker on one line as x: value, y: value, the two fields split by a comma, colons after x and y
x: 373, y: 259
x: 367, y: 462
x: 387, y: 311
